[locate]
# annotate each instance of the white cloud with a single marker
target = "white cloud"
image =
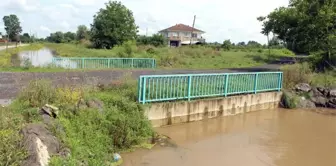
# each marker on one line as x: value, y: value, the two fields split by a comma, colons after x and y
x: 21, y: 5
x: 85, y: 2
x: 65, y: 25
x: 45, y: 29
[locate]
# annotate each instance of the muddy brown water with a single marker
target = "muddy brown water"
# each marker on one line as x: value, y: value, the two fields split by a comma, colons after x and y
x: 263, y: 138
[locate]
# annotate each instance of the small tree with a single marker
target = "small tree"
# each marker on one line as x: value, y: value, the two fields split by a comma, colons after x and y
x: 113, y: 25
x: 82, y: 33
x: 227, y: 45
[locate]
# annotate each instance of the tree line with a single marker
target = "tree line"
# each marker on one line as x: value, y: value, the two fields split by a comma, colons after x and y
x: 306, y: 27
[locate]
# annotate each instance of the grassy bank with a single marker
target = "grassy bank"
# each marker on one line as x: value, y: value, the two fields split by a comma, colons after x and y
x: 303, y: 73
x: 91, y: 134
x: 196, y: 57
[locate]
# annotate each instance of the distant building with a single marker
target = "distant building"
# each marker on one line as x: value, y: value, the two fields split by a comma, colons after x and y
x: 181, y: 34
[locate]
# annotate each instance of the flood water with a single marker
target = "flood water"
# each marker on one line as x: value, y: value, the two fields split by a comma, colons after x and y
x: 41, y: 58
x: 37, y: 58
x: 263, y: 138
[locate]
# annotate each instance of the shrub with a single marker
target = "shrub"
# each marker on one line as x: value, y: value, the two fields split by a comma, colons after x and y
x: 288, y: 100
x: 294, y: 74
x: 12, y: 151
x: 38, y: 93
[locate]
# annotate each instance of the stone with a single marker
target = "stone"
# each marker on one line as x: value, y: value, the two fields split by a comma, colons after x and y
x: 305, y: 104
x: 320, y: 101
x: 40, y: 143
x: 303, y: 87
x: 315, y: 92
x: 333, y: 101
x: 323, y: 90
x: 331, y: 105
x: 50, y: 110
x: 332, y: 93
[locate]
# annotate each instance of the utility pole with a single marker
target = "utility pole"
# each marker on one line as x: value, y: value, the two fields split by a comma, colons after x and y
x: 192, y: 31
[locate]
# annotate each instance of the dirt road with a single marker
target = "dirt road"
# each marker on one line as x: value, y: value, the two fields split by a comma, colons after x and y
x: 11, y: 83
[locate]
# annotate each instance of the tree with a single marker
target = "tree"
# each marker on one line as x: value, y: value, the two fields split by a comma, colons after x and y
x: 82, y: 33
x: 57, y: 37
x: 25, y: 38
x: 113, y: 25
x: 241, y: 44
x: 306, y: 26
x: 12, y: 27
x: 155, y: 40
x: 253, y: 44
x: 227, y: 45
x: 69, y: 36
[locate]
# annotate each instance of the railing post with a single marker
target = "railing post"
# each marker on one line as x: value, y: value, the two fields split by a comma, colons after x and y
x: 132, y: 63
x: 153, y: 63
x: 144, y: 91
x: 108, y: 62
x: 256, y: 83
x: 226, y: 84
x: 189, y: 87
x: 280, y: 82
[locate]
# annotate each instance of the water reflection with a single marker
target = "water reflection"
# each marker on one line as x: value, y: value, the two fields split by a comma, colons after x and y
x: 43, y: 58
x: 38, y: 58
x: 264, y: 138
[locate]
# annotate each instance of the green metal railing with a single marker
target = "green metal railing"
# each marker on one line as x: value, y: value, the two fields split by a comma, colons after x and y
x: 153, y: 88
x: 100, y: 63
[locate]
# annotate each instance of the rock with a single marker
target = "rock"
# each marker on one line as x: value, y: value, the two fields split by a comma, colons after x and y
x: 323, y: 90
x: 333, y: 101
x: 320, y: 101
x: 303, y: 87
x: 50, y: 110
x: 315, y: 92
x: 331, y: 105
x: 332, y: 93
x: 40, y: 143
x: 303, y: 103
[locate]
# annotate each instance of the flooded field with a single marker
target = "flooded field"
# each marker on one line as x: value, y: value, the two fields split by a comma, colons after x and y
x: 36, y: 58
x: 264, y: 138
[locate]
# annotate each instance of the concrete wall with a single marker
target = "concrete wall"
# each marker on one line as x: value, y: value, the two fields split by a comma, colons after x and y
x: 161, y: 114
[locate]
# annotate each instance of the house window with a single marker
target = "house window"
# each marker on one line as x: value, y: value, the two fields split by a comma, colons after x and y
x: 194, y: 35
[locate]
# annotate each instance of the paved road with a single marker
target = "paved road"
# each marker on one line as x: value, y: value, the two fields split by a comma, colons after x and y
x: 11, y: 83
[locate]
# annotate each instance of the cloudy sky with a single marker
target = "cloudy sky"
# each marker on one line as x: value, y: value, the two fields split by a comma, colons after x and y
x: 220, y: 19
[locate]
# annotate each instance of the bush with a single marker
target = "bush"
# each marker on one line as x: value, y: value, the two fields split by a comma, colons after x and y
x: 93, y: 135
x: 295, y: 74
x: 38, y: 93
x: 12, y: 151
x: 288, y: 100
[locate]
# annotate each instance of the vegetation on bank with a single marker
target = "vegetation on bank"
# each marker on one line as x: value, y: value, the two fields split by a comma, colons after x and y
x: 191, y: 57
x: 91, y: 134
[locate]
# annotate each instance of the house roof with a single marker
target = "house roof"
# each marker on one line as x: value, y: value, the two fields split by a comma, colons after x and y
x: 182, y: 27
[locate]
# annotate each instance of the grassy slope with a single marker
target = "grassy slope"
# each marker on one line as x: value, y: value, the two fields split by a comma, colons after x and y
x: 92, y: 135
x: 183, y: 57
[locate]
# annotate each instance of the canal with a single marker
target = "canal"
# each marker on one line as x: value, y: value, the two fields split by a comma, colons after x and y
x: 264, y: 138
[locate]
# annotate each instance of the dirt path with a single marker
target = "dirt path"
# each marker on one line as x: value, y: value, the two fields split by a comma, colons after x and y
x: 11, y: 83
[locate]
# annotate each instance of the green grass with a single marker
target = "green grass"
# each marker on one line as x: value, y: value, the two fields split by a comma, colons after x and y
x: 196, y: 57
x: 91, y: 134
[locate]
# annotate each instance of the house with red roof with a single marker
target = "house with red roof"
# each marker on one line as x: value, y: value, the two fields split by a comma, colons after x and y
x: 181, y: 34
